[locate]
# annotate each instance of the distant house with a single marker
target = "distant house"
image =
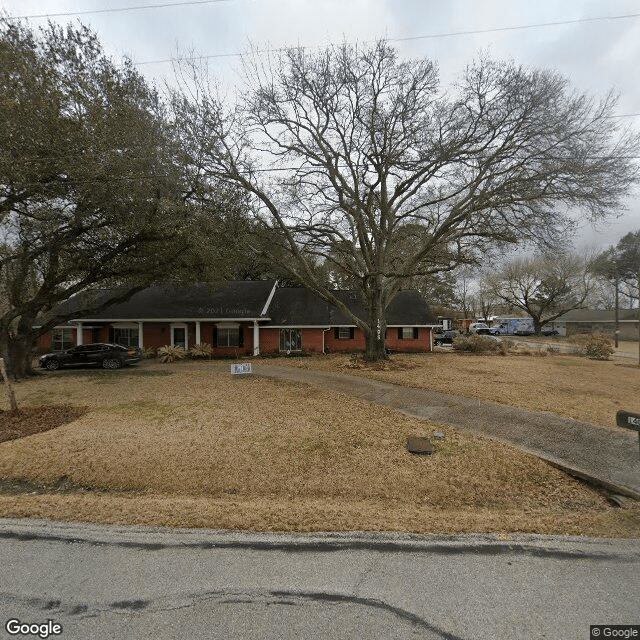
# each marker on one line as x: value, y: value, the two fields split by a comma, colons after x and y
x: 244, y: 317
x: 589, y: 321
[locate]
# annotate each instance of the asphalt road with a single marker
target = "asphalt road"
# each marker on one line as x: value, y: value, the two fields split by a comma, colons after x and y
x: 135, y: 583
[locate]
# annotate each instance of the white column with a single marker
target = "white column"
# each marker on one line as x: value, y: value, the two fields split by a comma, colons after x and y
x: 198, y: 332
x: 256, y: 338
x: 140, y: 336
x: 79, y: 336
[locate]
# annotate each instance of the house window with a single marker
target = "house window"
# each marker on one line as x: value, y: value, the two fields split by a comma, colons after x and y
x: 127, y: 337
x: 62, y: 339
x: 228, y: 337
x: 408, y: 333
x: 290, y: 339
x: 179, y: 335
x: 345, y: 333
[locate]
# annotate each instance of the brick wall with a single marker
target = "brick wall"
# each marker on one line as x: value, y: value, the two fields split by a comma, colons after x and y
x: 269, y: 340
x: 312, y: 340
x: 44, y: 342
x: 158, y: 334
x: 333, y: 344
x: 422, y: 343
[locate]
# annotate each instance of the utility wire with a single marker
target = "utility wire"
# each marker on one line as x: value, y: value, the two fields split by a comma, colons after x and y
x: 140, y: 7
x: 428, y: 36
x: 518, y: 27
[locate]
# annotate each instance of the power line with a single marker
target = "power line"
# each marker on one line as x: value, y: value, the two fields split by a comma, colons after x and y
x: 518, y: 27
x: 145, y: 6
x: 428, y: 36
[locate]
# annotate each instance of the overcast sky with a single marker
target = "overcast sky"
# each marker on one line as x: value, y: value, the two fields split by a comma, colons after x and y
x: 595, y: 54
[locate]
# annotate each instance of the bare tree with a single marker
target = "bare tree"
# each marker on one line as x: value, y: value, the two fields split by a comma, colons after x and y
x: 545, y: 286
x: 486, y: 303
x: 359, y: 160
x: 464, y: 298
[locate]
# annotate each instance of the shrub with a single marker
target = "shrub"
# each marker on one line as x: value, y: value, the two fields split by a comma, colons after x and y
x: 170, y: 354
x: 150, y: 352
x: 478, y: 344
x: 203, y: 350
x: 598, y: 347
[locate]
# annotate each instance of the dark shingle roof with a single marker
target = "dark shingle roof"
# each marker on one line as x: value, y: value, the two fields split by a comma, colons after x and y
x: 409, y: 308
x: 241, y: 299
x: 300, y: 307
x: 297, y: 307
x: 293, y: 307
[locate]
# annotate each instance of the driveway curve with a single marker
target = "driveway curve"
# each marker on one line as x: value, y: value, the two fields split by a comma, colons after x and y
x: 608, y: 457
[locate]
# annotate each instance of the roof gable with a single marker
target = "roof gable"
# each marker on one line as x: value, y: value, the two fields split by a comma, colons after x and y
x: 239, y: 299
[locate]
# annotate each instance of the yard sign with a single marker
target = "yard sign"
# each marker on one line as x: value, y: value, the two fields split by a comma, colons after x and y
x: 243, y: 368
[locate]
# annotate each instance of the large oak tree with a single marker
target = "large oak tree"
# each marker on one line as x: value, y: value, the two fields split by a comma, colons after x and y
x: 360, y: 160
x: 93, y: 191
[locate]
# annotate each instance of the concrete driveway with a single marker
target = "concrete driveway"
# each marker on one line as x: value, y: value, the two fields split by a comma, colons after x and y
x: 606, y: 456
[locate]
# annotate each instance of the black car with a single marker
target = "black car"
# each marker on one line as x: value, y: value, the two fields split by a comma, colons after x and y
x: 549, y: 332
x: 108, y: 356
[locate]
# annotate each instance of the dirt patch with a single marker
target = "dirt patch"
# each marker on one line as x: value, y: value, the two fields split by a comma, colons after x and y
x: 31, y: 420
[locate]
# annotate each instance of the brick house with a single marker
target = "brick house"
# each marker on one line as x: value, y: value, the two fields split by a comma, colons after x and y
x: 244, y: 318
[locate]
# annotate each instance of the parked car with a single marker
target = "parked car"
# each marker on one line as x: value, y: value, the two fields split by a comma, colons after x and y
x: 444, y: 337
x: 479, y: 328
x: 107, y: 356
x: 548, y: 331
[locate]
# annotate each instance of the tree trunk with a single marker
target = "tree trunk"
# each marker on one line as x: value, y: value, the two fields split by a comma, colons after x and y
x: 20, y: 357
x: 537, y: 325
x: 375, y: 349
x: 17, y: 350
x: 375, y: 337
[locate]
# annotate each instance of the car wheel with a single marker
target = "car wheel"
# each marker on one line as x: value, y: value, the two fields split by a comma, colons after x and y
x: 52, y: 364
x: 111, y: 363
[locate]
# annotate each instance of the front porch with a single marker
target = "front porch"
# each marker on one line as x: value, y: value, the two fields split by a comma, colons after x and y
x: 225, y: 337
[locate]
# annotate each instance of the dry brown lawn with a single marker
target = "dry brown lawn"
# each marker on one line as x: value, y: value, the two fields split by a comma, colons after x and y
x: 189, y: 445
x: 570, y: 386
